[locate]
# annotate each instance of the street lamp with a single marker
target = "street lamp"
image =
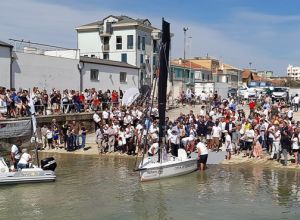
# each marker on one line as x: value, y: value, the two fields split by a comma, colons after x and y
x: 184, y: 41
x: 184, y: 44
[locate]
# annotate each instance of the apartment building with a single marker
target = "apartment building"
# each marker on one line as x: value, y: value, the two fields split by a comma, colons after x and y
x: 293, y: 72
x: 124, y: 39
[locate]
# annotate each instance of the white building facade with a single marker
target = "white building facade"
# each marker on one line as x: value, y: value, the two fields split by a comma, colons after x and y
x: 5, y: 64
x: 60, y: 70
x: 123, y: 39
x: 293, y: 72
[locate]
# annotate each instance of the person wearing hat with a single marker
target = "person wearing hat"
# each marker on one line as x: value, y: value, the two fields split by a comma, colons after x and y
x: 24, y: 160
x: 174, y: 141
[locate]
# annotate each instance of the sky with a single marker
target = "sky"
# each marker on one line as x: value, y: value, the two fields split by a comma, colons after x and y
x: 265, y: 33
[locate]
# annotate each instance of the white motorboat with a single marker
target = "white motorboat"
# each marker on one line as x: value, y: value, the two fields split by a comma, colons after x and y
x: 28, y: 175
x: 170, y: 166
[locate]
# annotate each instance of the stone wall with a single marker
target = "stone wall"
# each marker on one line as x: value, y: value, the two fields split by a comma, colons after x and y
x: 85, y: 118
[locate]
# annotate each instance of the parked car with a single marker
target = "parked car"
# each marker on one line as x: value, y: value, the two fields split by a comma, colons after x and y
x: 280, y: 93
x: 232, y: 92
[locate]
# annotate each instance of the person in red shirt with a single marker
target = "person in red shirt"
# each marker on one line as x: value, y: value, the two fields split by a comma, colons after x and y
x: 252, y: 106
x: 114, y: 98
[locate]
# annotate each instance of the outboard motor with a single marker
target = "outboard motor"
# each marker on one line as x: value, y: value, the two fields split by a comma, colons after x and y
x: 48, y: 163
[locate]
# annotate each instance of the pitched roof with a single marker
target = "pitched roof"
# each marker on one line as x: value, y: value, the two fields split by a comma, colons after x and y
x: 122, y: 19
x: 2, y: 43
x: 106, y: 62
x: 187, y: 64
x: 246, y: 74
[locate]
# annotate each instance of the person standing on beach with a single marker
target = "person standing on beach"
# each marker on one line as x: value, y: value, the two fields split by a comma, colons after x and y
x: 228, y: 144
x: 75, y: 128
x: 100, y: 139
x: 83, y: 133
x: 216, y: 135
x: 49, y: 135
x: 295, y: 146
x: 285, y: 142
x: 44, y: 136
x: 64, y: 130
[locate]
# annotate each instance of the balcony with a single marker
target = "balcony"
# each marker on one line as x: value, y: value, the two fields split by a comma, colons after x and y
x: 106, y: 30
x: 105, y: 47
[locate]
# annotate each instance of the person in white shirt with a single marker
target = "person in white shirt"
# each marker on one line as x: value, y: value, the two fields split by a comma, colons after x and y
x: 24, y: 160
x: 290, y: 113
x: 49, y: 135
x: 295, y: 146
x: 202, y: 155
x: 202, y: 111
x: 276, y: 144
x: 174, y: 141
x: 216, y: 135
x: 203, y: 97
x: 16, y: 153
x: 97, y: 120
x: 228, y: 144
x: 295, y: 101
x: 121, y: 140
x: 153, y: 149
x: 105, y: 115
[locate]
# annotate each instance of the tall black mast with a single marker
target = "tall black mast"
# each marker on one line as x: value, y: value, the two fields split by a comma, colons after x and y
x: 162, y: 82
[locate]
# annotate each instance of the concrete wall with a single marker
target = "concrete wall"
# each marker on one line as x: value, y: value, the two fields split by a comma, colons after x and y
x: 45, y: 72
x: 5, y: 66
x: 109, y: 77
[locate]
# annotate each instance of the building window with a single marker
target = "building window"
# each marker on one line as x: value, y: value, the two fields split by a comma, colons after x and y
x: 143, y: 43
x: 129, y: 41
x: 139, y: 42
x: 124, y: 57
x: 123, y: 77
x: 93, y: 55
x: 155, y: 47
x: 94, y: 75
x: 141, y: 58
x: 119, y: 42
x: 106, y: 56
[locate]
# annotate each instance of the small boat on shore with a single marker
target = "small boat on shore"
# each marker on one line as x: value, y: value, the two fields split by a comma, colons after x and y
x: 28, y: 175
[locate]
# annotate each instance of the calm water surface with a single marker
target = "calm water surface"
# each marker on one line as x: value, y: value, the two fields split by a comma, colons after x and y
x: 107, y: 188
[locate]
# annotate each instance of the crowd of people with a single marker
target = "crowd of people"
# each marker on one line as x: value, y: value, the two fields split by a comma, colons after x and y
x: 268, y: 129
x: 15, y: 103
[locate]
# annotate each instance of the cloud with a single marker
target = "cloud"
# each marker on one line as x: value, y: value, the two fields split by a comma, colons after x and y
x: 244, y: 37
x: 255, y: 17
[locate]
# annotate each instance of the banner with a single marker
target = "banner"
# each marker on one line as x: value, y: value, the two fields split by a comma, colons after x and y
x: 10, y: 129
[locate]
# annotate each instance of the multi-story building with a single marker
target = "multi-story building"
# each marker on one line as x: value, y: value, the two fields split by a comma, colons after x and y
x: 293, y: 72
x: 186, y: 74
x: 121, y: 38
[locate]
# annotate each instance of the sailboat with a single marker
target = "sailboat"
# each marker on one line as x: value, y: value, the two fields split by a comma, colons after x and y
x: 163, y: 165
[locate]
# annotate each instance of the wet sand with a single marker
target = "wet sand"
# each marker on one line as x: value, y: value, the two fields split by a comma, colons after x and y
x: 264, y: 161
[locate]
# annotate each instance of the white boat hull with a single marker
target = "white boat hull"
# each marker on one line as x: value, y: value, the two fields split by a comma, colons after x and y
x: 152, y: 170
x: 31, y: 175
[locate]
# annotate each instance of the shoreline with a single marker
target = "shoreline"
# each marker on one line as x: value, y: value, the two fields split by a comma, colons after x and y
x: 264, y: 161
